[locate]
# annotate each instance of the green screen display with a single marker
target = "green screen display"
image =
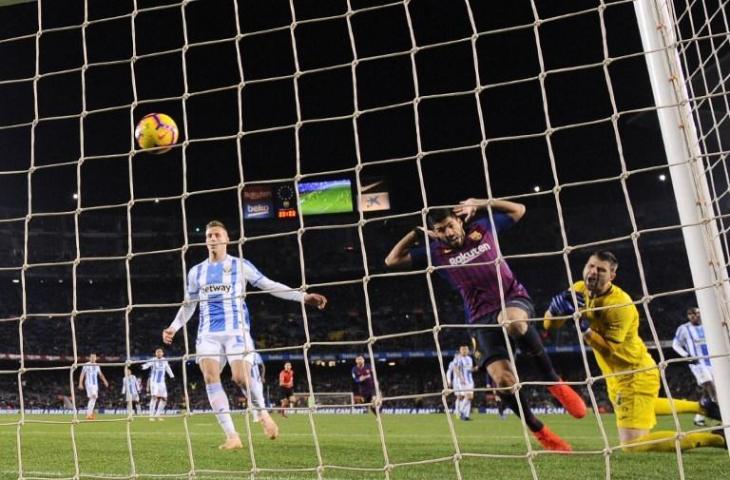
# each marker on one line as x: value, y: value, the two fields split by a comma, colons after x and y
x: 327, y: 196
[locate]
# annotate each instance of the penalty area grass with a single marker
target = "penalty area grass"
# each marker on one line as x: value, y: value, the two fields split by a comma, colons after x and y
x: 490, y: 448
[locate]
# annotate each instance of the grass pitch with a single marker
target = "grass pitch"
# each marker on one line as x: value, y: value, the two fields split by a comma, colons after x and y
x: 161, y: 448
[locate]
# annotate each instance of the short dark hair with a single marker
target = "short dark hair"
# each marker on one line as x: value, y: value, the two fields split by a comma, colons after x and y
x: 606, y: 256
x: 216, y: 223
x: 692, y: 308
x: 438, y: 215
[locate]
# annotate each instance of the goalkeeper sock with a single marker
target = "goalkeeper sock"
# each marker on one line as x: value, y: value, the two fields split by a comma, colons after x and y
x: 219, y: 402
x: 531, y: 344
x: 662, y: 406
x: 689, y: 441
x: 160, y: 407
x: 532, y: 422
x: 90, y: 407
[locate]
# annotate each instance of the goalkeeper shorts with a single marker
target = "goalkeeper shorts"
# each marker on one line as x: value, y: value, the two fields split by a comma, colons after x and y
x: 633, y: 397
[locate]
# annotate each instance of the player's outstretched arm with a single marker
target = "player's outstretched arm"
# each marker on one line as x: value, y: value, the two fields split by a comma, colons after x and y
x: 400, y: 255
x: 81, y: 379
x: 279, y: 290
x: 562, y: 305
x: 469, y: 207
x: 184, y: 313
x: 103, y: 379
x: 186, y: 310
x: 597, y: 342
x: 315, y: 300
x: 613, y: 336
x: 678, y: 347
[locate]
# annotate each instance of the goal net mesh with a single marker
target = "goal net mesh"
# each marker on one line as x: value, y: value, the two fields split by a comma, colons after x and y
x: 413, y: 105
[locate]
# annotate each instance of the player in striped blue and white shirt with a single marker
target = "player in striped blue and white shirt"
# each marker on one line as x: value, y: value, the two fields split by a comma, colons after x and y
x: 131, y: 386
x: 156, y: 383
x: 218, y: 286
x: 89, y: 381
x: 463, y: 369
x: 452, y: 381
x: 689, y: 341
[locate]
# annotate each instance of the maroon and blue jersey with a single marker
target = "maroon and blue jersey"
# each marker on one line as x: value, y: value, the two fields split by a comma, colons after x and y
x: 367, y: 386
x: 477, y: 284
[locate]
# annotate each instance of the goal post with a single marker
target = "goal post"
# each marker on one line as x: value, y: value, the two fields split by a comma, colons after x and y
x: 327, y: 400
x: 688, y: 172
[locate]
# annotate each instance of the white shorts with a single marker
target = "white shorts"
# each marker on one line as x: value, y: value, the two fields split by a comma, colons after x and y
x: 225, y: 347
x: 702, y: 373
x: 92, y: 391
x: 463, y: 389
x: 158, y: 389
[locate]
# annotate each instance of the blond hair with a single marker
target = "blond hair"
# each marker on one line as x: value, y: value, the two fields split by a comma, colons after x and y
x: 216, y: 223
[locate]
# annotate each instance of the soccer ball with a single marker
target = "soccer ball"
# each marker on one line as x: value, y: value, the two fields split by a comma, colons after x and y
x: 156, y: 130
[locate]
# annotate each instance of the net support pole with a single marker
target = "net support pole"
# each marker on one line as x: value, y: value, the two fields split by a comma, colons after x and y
x: 704, y: 250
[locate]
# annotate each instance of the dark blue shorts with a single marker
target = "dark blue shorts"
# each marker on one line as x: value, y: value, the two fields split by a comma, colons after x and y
x: 489, y: 342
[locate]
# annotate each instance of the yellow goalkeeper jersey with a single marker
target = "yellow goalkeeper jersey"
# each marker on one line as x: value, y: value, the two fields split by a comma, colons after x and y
x: 619, y: 326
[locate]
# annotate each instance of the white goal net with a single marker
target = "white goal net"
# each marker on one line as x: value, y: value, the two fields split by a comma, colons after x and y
x: 321, y: 133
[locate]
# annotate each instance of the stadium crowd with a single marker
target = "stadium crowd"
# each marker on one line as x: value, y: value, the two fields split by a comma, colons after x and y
x: 102, y: 290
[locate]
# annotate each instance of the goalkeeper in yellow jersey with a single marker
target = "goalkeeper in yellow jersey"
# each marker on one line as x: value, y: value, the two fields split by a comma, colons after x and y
x: 610, y: 325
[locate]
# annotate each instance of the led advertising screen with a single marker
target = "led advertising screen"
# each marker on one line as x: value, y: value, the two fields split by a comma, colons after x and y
x: 326, y: 196
x: 257, y: 202
x: 374, y: 196
x: 285, y: 201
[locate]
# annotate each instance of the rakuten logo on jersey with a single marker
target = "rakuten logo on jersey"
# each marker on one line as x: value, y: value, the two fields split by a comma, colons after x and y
x: 466, y: 257
x: 224, y: 288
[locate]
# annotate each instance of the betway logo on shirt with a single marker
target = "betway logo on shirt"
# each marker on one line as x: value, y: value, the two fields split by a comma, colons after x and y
x: 213, y: 288
x: 466, y: 257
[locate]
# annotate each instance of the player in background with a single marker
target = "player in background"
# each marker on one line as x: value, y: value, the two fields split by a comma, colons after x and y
x: 464, y: 367
x: 466, y: 245
x: 218, y: 284
x: 610, y: 326
x: 689, y: 341
x: 89, y: 381
x: 452, y: 383
x: 355, y: 387
x: 131, y: 386
x: 362, y: 374
x: 156, y: 384
x: 286, y: 388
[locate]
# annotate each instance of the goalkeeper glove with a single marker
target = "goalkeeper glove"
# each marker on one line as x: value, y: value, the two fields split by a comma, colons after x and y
x: 562, y: 303
x: 584, y: 325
